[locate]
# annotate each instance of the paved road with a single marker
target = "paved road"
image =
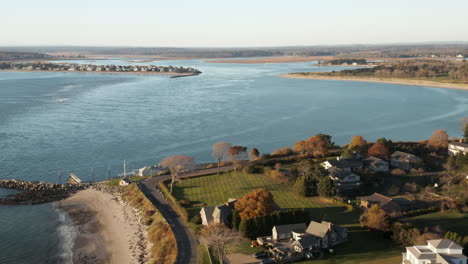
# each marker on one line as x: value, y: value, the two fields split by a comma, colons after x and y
x: 187, y: 243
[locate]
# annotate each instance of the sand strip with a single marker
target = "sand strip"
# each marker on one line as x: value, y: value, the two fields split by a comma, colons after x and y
x: 108, y: 229
x: 457, y: 86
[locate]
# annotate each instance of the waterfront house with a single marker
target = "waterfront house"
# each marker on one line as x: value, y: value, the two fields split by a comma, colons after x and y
x: 348, y: 165
x: 405, y: 161
x: 284, y: 232
x: 344, y: 180
x: 457, y: 147
x: 217, y: 214
x: 125, y: 182
x: 437, y: 251
x: 386, y: 203
x: 375, y: 164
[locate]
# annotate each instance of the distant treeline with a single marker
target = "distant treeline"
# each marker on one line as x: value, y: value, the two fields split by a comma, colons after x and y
x: 346, y: 61
x: 452, y: 70
x: 9, y: 56
x: 344, y: 51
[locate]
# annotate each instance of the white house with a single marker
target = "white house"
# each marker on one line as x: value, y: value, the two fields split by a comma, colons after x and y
x: 438, y: 251
x: 125, y: 182
x: 456, y: 147
x: 284, y: 232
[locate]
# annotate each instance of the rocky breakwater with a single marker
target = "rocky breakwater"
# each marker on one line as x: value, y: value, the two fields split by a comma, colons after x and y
x: 34, y: 192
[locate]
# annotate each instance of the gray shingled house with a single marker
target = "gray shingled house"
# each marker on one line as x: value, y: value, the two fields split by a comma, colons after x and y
x: 217, y: 214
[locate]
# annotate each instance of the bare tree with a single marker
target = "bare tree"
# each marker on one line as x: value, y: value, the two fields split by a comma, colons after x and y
x: 220, y: 239
x: 236, y: 155
x: 176, y: 164
x: 220, y: 151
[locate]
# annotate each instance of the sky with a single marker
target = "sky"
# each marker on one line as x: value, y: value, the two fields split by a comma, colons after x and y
x: 222, y: 23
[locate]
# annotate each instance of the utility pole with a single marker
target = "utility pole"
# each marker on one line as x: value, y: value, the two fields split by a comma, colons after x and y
x: 92, y: 174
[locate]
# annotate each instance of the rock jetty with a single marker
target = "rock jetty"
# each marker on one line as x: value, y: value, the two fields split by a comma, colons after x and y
x: 34, y: 192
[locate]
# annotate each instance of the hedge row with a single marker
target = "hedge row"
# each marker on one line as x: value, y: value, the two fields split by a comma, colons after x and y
x: 421, y: 211
x: 173, y: 201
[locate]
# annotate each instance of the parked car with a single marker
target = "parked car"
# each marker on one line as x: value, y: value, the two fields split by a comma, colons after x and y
x: 269, y: 261
x: 261, y: 255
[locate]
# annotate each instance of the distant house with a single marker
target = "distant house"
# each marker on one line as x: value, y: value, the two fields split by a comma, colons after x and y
x: 217, y: 214
x: 460, y: 56
x: 344, y: 180
x: 375, y: 164
x: 125, y: 182
x: 457, y: 147
x: 320, y: 235
x: 438, y: 251
x: 348, y: 165
x: 386, y: 203
x: 405, y: 161
x: 284, y: 232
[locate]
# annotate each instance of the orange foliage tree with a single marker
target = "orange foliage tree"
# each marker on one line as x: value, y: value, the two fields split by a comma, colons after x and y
x: 379, y: 150
x: 439, y: 139
x: 358, y: 144
x: 314, y: 146
x: 257, y: 203
x: 375, y: 218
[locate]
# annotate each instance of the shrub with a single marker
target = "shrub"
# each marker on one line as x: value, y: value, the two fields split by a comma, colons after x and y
x: 252, y: 169
x: 196, y: 220
x: 185, y: 203
x: 282, y: 152
x: 210, y: 166
x: 398, y: 172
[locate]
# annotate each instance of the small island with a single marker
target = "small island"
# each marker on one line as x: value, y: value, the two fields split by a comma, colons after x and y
x: 91, y: 68
x: 434, y: 73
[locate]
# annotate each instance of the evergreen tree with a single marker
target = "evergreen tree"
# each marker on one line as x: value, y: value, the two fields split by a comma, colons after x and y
x: 326, y: 187
x: 235, y: 220
x: 300, y: 186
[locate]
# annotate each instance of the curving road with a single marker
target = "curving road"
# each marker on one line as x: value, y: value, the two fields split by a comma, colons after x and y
x: 187, y: 243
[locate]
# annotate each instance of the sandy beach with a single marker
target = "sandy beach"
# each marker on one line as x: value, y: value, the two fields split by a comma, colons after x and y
x: 457, y: 86
x: 108, y: 229
x: 284, y: 59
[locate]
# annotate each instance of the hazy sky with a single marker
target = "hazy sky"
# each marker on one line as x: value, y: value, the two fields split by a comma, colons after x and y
x: 230, y: 23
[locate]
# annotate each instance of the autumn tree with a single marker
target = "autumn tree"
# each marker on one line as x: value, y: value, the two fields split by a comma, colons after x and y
x: 358, y: 144
x: 254, y: 153
x: 257, y: 203
x: 236, y: 155
x: 379, y: 150
x: 220, y: 151
x: 220, y: 239
x: 439, y: 139
x: 464, y: 127
x: 327, y: 139
x: 375, y: 218
x: 176, y: 164
x: 314, y: 146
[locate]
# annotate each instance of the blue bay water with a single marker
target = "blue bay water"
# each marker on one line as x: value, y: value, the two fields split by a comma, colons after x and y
x: 78, y: 121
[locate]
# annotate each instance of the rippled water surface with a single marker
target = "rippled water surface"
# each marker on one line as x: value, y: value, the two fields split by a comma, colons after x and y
x: 52, y: 122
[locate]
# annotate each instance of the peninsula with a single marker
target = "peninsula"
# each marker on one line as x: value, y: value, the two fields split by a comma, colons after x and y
x: 91, y: 68
x: 441, y: 74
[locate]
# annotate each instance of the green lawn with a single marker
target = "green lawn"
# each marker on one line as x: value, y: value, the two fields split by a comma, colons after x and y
x: 203, y: 255
x: 217, y: 189
x: 363, y: 247
x: 448, y: 221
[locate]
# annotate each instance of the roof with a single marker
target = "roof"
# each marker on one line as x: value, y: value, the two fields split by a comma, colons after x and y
x: 398, y: 155
x: 377, y: 198
x: 444, y: 243
x: 307, y: 241
x: 281, y: 229
x: 208, y: 213
x: 321, y: 229
x: 220, y: 211
x: 344, y: 163
x: 373, y: 161
x: 459, y: 144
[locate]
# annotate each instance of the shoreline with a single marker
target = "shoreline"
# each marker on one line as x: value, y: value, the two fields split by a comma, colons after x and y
x: 426, y: 83
x: 277, y: 59
x: 108, y: 230
x: 105, y: 72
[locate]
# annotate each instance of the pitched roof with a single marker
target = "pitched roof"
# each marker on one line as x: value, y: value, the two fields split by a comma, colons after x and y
x: 444, y: 243
x: 373, y: 161
x: 307, y: 241
x: 318, y: 229
x: 377, y: 198
x: 403, y: 156
x: 208, y: 213
x: 459, y: 144
x: 281, y: 229
x: 344, y: 163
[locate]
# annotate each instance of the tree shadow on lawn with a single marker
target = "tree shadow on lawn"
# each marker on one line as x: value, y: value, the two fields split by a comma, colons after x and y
x: 338, y: 215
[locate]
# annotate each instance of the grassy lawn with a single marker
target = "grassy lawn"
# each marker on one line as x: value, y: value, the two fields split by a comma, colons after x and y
x: 363, y: 247
x: 448, y: 221
x: 203, y: 255
x: 217, y: 189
